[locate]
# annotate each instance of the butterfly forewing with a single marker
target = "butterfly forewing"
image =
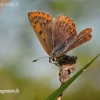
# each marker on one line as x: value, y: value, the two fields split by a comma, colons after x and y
x: 40, y: 22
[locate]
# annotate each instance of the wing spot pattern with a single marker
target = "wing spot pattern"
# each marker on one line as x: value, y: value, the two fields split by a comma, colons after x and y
x: 40, y: 32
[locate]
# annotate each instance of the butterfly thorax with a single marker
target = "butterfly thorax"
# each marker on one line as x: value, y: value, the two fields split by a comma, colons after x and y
x: 65, y: 59
x: 62, y: 60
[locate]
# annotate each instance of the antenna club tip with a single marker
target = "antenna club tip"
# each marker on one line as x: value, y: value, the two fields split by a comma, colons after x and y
x: 34, y: 60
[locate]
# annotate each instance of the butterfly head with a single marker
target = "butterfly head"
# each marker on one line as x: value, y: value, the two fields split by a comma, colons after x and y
x: 53, y: 60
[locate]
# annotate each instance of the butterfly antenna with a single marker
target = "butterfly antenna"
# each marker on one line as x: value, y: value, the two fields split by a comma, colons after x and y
x: 39, y: 58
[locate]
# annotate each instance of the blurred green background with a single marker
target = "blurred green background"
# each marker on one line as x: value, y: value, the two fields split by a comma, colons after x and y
x: 19, y: 46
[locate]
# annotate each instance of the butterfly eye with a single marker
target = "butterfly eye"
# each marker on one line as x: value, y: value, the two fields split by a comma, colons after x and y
x: 52, y: 60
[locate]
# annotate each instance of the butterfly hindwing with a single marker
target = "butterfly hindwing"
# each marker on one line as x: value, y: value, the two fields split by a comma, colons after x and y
x: 64, y: 31
x: 81, y: 38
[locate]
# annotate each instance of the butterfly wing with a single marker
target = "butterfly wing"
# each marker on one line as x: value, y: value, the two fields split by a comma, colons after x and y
x: 40, y: 22
x: 81, y: 38
x: 63, y: 32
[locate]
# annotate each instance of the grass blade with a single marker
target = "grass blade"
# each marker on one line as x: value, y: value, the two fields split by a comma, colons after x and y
x: 54, y: 95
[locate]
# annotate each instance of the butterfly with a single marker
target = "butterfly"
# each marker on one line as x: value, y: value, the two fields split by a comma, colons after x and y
x: 57, y: 35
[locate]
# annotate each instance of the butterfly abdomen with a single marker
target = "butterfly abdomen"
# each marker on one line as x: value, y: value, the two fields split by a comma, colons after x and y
x: 67, y: 65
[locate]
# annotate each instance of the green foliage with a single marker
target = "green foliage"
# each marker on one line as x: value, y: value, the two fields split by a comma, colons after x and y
x: 64, y: 86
